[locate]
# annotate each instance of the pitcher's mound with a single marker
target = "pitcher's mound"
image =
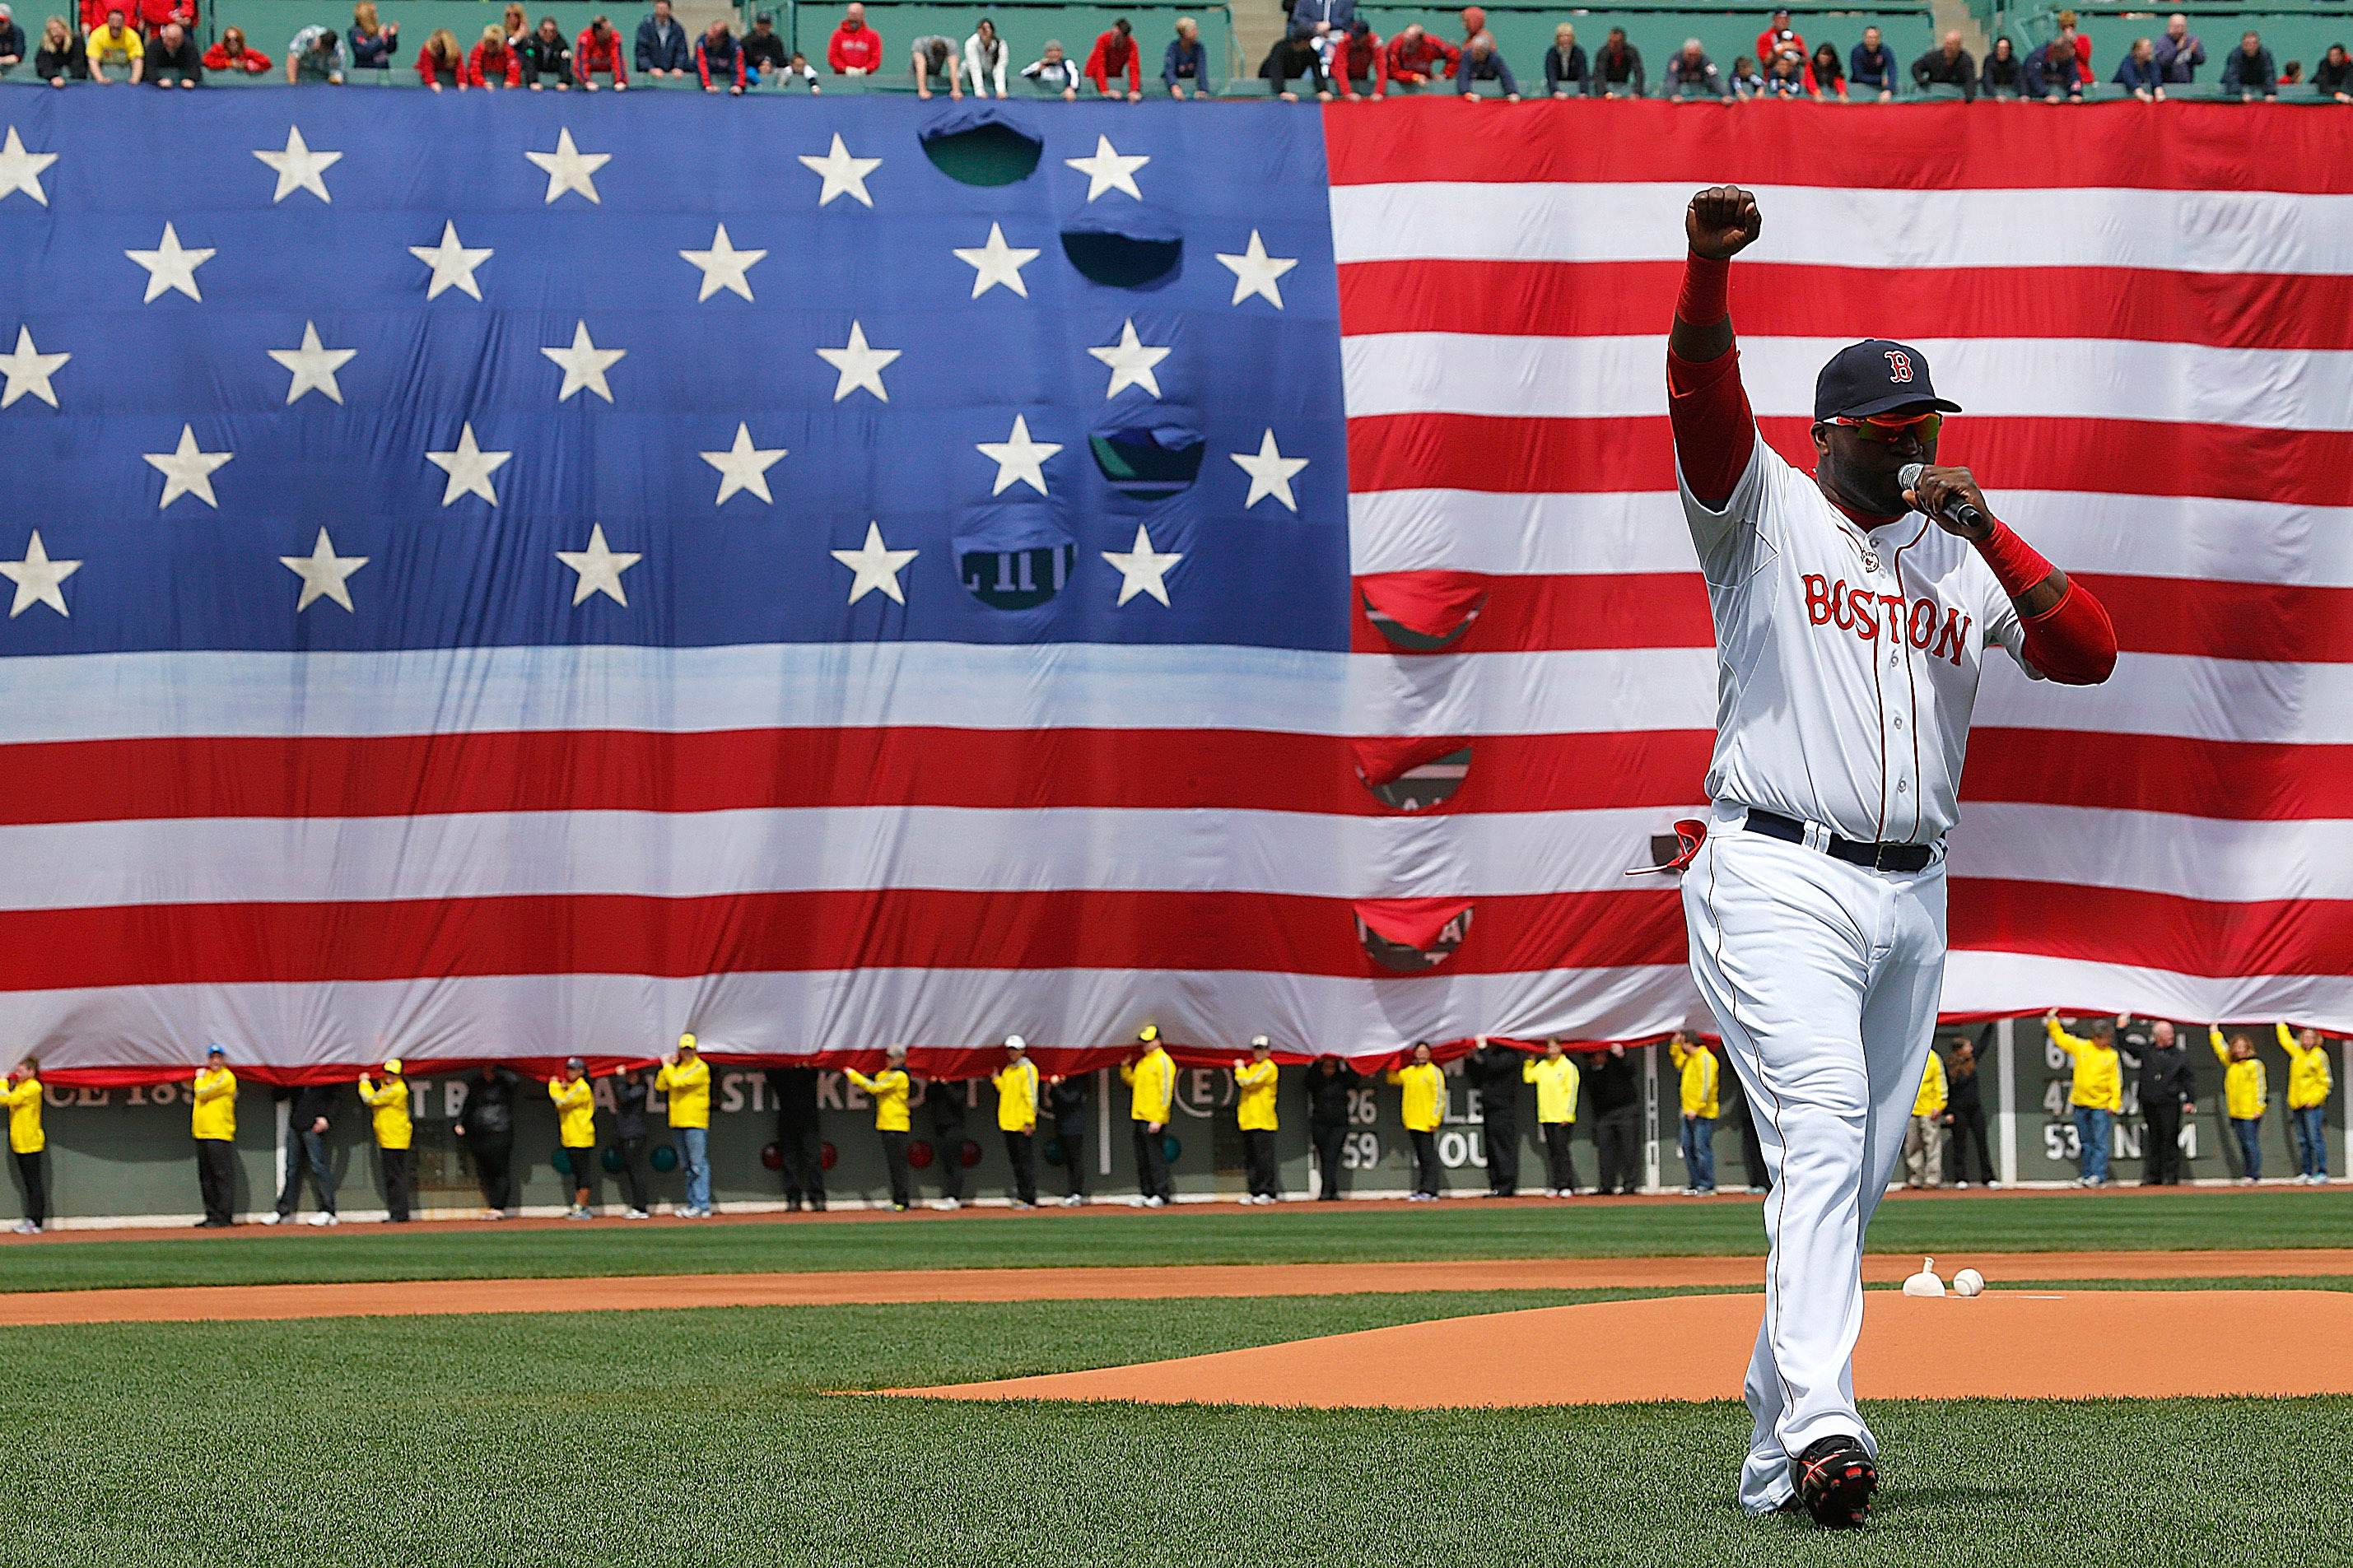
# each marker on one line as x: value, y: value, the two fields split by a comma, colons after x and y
x: 2092, y: 1344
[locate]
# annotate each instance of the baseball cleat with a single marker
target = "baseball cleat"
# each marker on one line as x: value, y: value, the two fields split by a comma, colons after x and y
x: 1835, y: 1478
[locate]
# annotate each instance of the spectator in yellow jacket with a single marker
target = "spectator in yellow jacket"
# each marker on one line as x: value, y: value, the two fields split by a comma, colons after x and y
x: 1423, y: 1108
x: 214, y: 1122
x: 1556, y: 1079
x: 2097, y: 1094
x: 1698, y: 1067
x: 1254, y: 1082
x: 685, y: 1077
x: 2307, y: 1102
x: 1924, y: 1139
x: 2245, y: 1094
x: 26, y: 1140
x: 1152, y: 1074
x: 888, y: 1090
x: 575, y: 1114
x: 1016, y: 1117
x: 387, y: 1101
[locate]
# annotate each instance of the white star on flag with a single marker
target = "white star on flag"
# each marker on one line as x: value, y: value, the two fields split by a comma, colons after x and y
x: 724, y: 267
x: 568, y: 168
x: 21, y: 171
x: 1130, y: 362
x: 600, y: 567
x: 858, y: 364
x: 841, y: 172
x: 298, y: 167
x: 743, y: 466
x: 322, y: 572
x: 37, y: 578
x: 314, y: 365
x: 997, y: 262
x: 1019, y: 459
x: 186, y: 471
x: 453, y: 265
x: 583, y: 364
x: 876, y: 564
x: 470, y: 468
x: 28, y: 370
x: 1140, y: 570
x: 1108, y: 170
x: 169, y: 266
x: 1255, y: 271
x: 1270, y: 473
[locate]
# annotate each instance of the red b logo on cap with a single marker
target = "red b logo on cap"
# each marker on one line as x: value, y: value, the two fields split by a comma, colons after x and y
x: 1899, y: 365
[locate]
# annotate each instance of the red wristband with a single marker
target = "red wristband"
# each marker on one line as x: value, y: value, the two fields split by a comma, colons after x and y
x: 1703, y: 302
x: 2017, y: 565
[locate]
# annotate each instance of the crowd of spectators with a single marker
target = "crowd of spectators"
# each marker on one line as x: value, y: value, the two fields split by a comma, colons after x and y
x: 1327, y: 49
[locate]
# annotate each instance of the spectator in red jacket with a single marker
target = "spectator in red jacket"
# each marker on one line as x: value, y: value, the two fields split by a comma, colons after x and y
x: 2079, y: 43
x: 442, y: 63
x: 231, y: 55
x: 1115, y: 53
x: 152, y: 14
x: 719, y: 60
x: 598, y: 48
x: 1358, y: 58
x: 1413, y: 56
x: 1778, y: 36
x: 494, y: 61
x: 855, y: 48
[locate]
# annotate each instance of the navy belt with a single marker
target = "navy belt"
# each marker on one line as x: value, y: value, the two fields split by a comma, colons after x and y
x: 1877, y: 856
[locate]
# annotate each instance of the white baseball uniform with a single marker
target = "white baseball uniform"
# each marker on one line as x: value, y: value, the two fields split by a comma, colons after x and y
x: 1847, y: 667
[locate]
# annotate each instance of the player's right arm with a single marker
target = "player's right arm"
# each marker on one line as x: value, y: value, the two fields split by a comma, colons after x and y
x: 1715, y: 433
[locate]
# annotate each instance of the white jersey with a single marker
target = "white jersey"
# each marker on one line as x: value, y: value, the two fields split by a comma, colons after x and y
x: 1847, y: 661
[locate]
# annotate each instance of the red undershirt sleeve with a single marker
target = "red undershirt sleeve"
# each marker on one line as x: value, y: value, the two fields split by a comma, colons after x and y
x: 2072, y: 642
x: 1715, y: 432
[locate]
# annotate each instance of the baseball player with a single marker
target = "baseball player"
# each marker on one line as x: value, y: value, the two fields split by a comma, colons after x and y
x: 1853, y: 609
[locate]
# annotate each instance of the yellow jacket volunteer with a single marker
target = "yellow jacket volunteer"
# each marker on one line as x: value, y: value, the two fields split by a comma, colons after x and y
x: 2307, y: 1071
x: 888, y: 1090
x: 2099, y: 1081
x: 1556, y: 1079
x: 688, y: 1084
x: 1256, y: 1081
x: 216, y: 1112
x: 576, y: 1108
x: 1930, y: 1100
x: 1153, y: 1075
x: 387, y: 1097
x: 22, y: 1099
x: 1016, y: 1096
x: 2245, y: 1091
x: 1697, y: 1063
x: 1424, y: 1105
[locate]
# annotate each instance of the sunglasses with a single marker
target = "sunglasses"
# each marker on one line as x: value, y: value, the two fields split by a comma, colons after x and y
x: 1892, y: 430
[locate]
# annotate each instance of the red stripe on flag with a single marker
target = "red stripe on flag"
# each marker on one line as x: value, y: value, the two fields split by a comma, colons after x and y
x: 1535, y: 456
x: 1636, y: 299
x: 2181, y: 146
x: 2239, y: 781
x: 2152, y: 930
x: 1527, y: 613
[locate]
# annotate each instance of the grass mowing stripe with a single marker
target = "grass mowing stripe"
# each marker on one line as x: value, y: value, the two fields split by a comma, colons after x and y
x: 1293, y: 1233
x: 571, y: 1440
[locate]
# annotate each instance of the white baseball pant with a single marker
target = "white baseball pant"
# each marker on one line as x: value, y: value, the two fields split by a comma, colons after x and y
x: 1824, y: 979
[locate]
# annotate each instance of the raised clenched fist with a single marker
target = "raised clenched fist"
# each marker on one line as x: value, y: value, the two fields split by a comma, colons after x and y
x: 1723, y: 221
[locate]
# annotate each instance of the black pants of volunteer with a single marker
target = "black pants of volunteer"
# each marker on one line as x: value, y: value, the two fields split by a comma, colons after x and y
x: 894, y: 1157
x: 583, y: 1171
x: 1500, y: 1135
x: 1560, y: 1167
x: 1021, y: 1148
x: 37, y: 1191
x: 1752, y: 1148
x: 1152, y: 1162
x: 394, y: 1164
x: 217, y: 1178
x: 1075, y: 1160
x: 947, y: 1159
x: 1969, y: 1130
x: 493, y: 1157
x: 1257, y: 1162
x: 1618, y: 1142
x: 1425, y: 1161
x: 634, y: 1177
x: 2160, y: 1143
x: 804, y: 1168
x: 1330, y: 1138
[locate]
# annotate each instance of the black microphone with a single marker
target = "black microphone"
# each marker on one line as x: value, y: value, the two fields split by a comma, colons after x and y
x: 1957, y: 511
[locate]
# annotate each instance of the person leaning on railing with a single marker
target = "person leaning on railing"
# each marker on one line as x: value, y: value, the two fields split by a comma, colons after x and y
x: 234, y: 55
x: 316, y: 54
x: 440, y: 62
x: 172, y: 57
x: 60, y: 60
x: 1184, y: 67
x: 598, y: 48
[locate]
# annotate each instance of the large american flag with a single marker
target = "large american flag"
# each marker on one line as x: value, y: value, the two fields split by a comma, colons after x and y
x: 697, y: 565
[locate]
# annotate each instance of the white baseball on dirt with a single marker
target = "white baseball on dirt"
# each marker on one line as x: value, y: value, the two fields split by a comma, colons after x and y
x: 1969, y: 1282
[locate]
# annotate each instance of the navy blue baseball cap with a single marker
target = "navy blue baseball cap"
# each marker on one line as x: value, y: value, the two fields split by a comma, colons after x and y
x: 1873, y: 376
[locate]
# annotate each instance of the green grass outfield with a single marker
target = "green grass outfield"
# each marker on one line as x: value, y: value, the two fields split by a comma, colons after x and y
x: 704, y: 1437
x: 1297, y: 1233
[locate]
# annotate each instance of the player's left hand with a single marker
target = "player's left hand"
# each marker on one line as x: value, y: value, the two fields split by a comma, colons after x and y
x: 1939, y: 485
